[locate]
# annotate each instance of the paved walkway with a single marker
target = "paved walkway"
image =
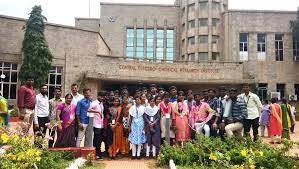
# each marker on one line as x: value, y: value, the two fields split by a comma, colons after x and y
x: 127, y: 163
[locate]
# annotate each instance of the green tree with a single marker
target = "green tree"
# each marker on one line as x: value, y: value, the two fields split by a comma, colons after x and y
x: 295, y: 27
x: 37, y: 55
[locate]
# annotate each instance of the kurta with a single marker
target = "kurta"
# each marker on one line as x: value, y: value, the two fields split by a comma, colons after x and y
x: 153, y: 134
x: 166, y: 110
x: 275, y: 126
x: 285, y: 121
x: 264, y: 119
x: 125, y: 145
x: 181, y: 115
x: 137, y: 136
x: 117, y: 131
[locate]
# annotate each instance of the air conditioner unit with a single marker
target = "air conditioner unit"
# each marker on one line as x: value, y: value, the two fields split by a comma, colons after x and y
x: 275, y: 95
x: 296, y: 58
x: 293, y: 97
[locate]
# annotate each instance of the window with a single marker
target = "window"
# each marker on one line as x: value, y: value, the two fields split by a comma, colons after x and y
x: 191, y: 24
x: 243, y: 46
x: 281, y: 88
x: 216, y: 6
x: 54, y: 79
x: 296, y: 49
x: 130, y: 43
x: 150, y: 43
x: 191, y: 40
x: 215, y: 55
x: 279, y: 47
x: 169, y: 45
x: 10, y: 70
x: 203, y: 39
x: 262, y: 90
x: 160, y: 44
x: 203, y: 6
x: 261, y: 46
x: 203, y: 56
x: 191, y: 56
x: 215, y: 22
x: 215, y: 39
x: 191, y: 7
x: 203, y: 22
x: 140, y: 45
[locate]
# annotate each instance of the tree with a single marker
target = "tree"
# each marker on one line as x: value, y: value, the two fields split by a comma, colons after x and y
x: 295, y: 27
x: 37, y: 55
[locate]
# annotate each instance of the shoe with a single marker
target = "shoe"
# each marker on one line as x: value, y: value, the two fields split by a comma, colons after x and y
x: 99, y: 158
x: 138, y: 157
x: 133, y: 157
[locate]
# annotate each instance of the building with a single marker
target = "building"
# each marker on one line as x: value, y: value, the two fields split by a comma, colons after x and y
x: 193, y: 44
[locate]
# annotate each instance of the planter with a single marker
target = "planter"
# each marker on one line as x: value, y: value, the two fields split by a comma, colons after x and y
x: 14, y: 119
x: 78, y: 151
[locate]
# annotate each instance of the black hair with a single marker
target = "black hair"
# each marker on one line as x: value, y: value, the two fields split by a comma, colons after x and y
x: 172, y: 87
x: 29, y: 77
x: 165, y: 94
x: 101, y: 93
x: 67, y: 95
x: 233, y: 90
x: 85, y: 90
x: 57, y: 88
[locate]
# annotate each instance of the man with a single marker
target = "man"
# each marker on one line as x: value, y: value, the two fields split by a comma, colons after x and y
x: 54, y: 102
x: 41, y: 112
x: 254, y: 107
x: 235, y: 119
x: 144, y: 91
x: 83, y: 119
x: 226, y: 108
x: 217, y: 107
x: 76, y: 96
x: 3, y: 111
x: 26, y: 104
x: 153, y: 89
x: 161, y: 91
x: 173, y: 94
x: 97, y: 107
x: 205, y: 94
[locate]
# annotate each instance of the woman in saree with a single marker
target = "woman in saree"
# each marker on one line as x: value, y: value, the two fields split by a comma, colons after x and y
x: 286, y: 118
x: 125, y: 144
x: 275, y: 125
x: 116, y: 127
x: 65, y: 116
x: 181, y: 115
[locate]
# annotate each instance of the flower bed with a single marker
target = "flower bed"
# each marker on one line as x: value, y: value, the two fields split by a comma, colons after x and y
x: 232, y: 153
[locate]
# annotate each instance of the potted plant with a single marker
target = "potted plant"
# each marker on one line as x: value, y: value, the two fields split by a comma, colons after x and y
x: 13, y: 115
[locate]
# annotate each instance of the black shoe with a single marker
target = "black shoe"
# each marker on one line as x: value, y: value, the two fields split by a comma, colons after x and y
x: 133, y: 157
x: 138, y: 157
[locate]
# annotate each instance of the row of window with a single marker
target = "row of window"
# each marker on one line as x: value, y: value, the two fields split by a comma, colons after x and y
x: 261, y: 46
x: 202, y: 39
x: 202, y: 56
x: 10, y: 70
x: 202, y: 6
x: 202, y: 22
x: 143, y: 43
x: 280, y: 87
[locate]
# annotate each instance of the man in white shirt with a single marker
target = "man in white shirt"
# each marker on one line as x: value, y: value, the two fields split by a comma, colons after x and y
x: 41, y: 112
x: 76, y: 96
x: 254, y: 107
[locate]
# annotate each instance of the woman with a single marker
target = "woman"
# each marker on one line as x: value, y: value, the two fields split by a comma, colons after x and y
x: 275, y: 125
x: 144, y: 100
x: 286, y: 118
x: 166, y: 112
x: 158, y: 99
x: 181, y: 115
x: 264, y: 119
x: 137, y: 134
x: 65, y: 116
x: 125, y: 145
x: 152, y: 128
x: 116, y: 128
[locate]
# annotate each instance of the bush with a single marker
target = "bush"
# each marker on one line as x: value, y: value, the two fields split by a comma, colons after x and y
x: 207, y: 152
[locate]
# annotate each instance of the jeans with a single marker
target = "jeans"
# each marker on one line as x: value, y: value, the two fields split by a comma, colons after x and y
x: 97, y: 140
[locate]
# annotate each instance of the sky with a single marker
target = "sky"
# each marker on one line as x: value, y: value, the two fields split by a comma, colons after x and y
x: 64, y: 11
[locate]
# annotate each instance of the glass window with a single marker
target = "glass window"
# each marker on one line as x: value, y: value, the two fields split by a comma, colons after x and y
x: 204, y: 56
x: 11, y: 79
x: 130, y: 43
x: 215, y: 22
x: 296, y: 49
x: 296, y: 86
x: 279, y: 47
x: 215, y: 55
x: 262, y: 90
x: 203, y: 5
x: 170, y: 45
x: 203, y: 39
x: 54, y: 79
x: 281, y: 88
x: 150, y: 43
x: 202, y: 22
x: 261, y: 42
x: 140, y: 43
x: 191, y: 7
x: 243, y: 38
x: 215, y: 6
x: 160, y: 44
x: 191, y: 40
x: 191, y: 24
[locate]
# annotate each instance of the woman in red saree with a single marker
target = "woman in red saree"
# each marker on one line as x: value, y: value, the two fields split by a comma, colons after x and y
x: 275, y: 128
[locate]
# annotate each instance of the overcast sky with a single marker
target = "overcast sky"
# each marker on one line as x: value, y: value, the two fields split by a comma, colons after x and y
x: 64, y: 11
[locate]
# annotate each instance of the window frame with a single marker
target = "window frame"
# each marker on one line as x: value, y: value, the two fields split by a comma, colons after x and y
x: 279, y: 47
x: 3, y: 70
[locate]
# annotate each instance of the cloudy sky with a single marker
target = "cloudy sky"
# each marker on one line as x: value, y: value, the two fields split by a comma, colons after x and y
x: 64, y: 11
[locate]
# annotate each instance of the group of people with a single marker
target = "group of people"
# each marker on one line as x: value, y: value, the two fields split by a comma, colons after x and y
x: 149, y: 117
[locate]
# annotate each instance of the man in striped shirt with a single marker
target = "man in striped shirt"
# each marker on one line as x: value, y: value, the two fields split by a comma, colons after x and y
x: 234, y: 121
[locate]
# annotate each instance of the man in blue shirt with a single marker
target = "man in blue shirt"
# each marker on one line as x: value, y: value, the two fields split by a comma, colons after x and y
x: 82, y: 117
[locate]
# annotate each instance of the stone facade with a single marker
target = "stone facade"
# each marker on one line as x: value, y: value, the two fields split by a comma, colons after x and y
x: 94, y: 51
